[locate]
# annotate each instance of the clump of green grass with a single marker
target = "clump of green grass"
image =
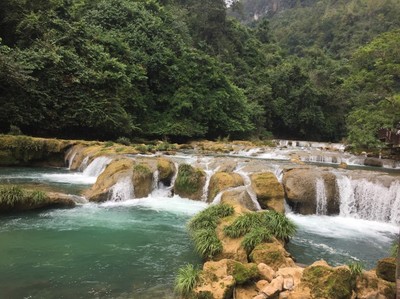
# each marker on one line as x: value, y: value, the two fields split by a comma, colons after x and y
x: 202, y: 229
x: 10, y: 195
x: 244, y: 224
x: 124, y: 141
x: 356, y: 268
x: 207, y: 243
x: 187, y: 278
x: 189, y: 179
x: 13, y: 195
x: 108, y: 144
x: 395, y: 248
x: 254, y: 237
x: 279, y: 225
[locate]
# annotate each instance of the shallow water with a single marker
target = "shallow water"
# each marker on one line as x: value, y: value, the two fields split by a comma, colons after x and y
x: 131, y: 250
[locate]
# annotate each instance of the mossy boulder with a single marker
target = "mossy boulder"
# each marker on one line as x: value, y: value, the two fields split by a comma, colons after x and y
x: 221, y: 181
x: 243, y: 273
x: 386, y: 269
x: 24, y: 150
x: 114, y: 171
x: 369, y: 285
x: 272, y: 254
x: 166, y: 170
x: 300, y: 189
x: 328, y: 282
x: 269, y: 191
x: 190, y: 182
x: 142, y: 180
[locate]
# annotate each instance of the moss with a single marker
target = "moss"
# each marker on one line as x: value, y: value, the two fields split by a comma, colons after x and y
x: 271, y: 254
x: 329, y: 283
x: 204, y: 295
x: 386, y: 269
x: 141, y: 170
x: 189, y: 181
x: 244, y: 273
x: 166, y: 170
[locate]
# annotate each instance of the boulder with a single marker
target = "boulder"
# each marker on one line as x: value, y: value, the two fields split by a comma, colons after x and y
x: 245, y: 291
x: 142, y: 180
x: 271, y: 254
x: 386, y: 269
x: 221, y: 181
x: 114, y: 171
x: 291, y: 275
x: 300, y: 189
x: 375, y: 162
x: 216, y: 280
x: 369, y: 285
x: 190, y: 182
x: 274, y: 288
x: 241, y: 197
x: 269, y: 191
x: 266, y: 272
x: 328, y: 282
x: 166, y: 170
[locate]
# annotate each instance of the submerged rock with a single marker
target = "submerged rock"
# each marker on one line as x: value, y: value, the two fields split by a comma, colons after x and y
x: 269, y: 191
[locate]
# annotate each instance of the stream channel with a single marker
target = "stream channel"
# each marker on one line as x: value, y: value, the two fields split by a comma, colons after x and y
x: 133, y: 248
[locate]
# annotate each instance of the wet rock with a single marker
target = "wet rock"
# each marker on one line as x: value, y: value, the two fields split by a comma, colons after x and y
x: 271, y: 254
x: 269, y: 191
x: 375, y: 162
x: 166, y: 170
x: 240, y: 197
x: 190, y: 182
x: 370, y: 286
x: 300, y: 189
x: 386, y: 269
x: 142, y: 179
x: 221, y: 181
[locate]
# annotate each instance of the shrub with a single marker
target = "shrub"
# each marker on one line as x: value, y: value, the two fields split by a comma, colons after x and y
x: 124, y: 141
x: 14, y: 130
x: 108, y: 144
x: 187, y: 278
x: 254, y: 237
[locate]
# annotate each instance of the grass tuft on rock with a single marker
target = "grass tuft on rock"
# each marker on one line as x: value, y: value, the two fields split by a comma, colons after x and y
x: 12, y: 195
x: 202, y: 229
x: 254, y: 237
x: 187, y: 278
x: 189, y: 179
x: 356, y: 268
x: 279, y: 225
x: 244, y: 224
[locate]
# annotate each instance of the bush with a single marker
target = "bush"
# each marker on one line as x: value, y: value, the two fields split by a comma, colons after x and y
x: 124, y: 141
x: 188, y: 277
x: 14, y: 130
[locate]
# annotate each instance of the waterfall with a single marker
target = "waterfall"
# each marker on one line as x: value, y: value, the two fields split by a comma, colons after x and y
x: 368, y: 200
x: 122, y: 190
x: 278, y: 172
x: 247, y: 184
x: 173, y: 179
x: 155, y: 180
x: 84, y: 164
x: 70, y: 156
x: 209, y: 174
x: 97, y: 166
x: 320, y: 194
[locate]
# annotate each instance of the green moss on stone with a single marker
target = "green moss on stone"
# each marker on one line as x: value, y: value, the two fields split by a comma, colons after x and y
x: 244, y: 273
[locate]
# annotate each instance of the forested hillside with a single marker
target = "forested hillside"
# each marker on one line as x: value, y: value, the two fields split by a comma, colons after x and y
x: 184, y: 69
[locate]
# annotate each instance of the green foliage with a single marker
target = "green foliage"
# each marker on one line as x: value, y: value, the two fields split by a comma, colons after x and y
x: 277, y: 224
x: 395, y: 248
x: 187, y: 278
x: 189, y: 179
x: 356, y: 268
x: 206, y: 242
x: 37, y: 196
x: 208, y: 218
x: 254, y: 237
x: 11, y: 195
x: 14, y: 130
x: 244, y: 273
x: 108, y: 144
x: 124, y: 141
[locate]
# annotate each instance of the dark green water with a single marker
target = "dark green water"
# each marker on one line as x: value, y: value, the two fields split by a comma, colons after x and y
x: 93, y: 251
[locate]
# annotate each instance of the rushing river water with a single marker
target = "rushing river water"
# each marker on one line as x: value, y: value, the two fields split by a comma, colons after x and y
x: 133, y: 248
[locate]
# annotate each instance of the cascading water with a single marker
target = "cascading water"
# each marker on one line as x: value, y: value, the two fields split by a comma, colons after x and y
x: 122, y: 190
x: 84, y: 164
x: 247, y: 184
x: 320, y: 195
x: 209, y: 173
x: 368, y: 200
x: 97, y: 166
x: 155, y: 180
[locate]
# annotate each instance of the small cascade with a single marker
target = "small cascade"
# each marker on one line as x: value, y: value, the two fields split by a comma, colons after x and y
x: 368, y: 200
x: 321, y: 159
x: 122, y: 190
x: 84, y: 164
x: 171, y: 186
x: 155, y: 180
x: 70, y: 156
x: 247, y: 184
x: 321, y: 198
x: 97, y: 166
x: 278, y: 172
x: 209, y: 173
x: 70, y: 160
x: 217, y: 198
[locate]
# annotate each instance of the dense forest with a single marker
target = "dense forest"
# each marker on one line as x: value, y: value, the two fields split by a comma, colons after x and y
x: 184, y: 69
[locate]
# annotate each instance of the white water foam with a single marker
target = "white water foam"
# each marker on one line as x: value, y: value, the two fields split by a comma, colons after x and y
x: 368, y: 200
x: 122, y: 190
x: 97, y: 166
x: 250, y: 191
x: 321, y: 198
x: 174, y: 204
